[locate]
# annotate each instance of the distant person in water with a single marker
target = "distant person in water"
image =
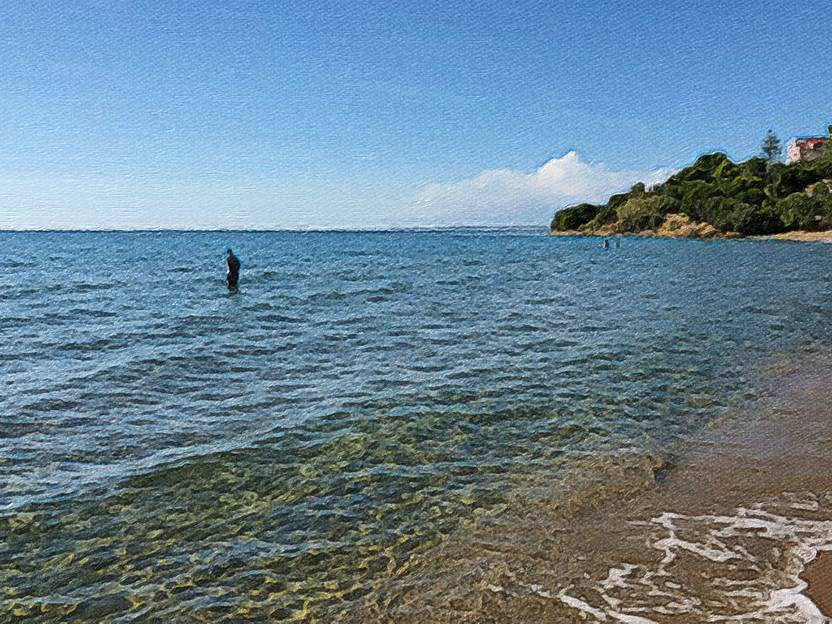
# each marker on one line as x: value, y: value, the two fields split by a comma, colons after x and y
x: 232, y: 263
x: 606, y: 244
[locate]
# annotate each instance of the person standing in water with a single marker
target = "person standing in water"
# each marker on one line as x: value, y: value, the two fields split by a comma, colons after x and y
x: 232, y: 264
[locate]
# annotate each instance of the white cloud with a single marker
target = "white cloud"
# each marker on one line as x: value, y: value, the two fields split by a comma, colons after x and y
x: 494, y: 197
x: 508, y: 197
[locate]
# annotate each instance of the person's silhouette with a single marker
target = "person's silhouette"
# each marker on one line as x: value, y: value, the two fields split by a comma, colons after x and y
x: 232, y: 264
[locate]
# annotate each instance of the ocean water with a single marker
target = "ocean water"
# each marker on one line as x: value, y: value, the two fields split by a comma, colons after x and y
x: 170, y: 451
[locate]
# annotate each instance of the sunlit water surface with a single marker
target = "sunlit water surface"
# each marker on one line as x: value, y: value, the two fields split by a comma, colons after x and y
x: 173, y: 451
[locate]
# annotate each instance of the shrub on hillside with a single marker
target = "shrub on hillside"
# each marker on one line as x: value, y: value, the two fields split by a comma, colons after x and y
x: 641, y: 212
x: 573, y: 217
x: 752, y: 197
x: 811, y: 210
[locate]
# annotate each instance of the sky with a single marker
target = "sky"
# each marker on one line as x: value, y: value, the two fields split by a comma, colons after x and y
x: 369, y: 114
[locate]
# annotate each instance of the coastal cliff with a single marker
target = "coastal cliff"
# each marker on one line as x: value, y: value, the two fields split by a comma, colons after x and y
x: 715, y: 198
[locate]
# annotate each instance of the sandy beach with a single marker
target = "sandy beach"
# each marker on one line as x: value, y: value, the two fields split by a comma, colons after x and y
x: 737, y: 525
x: 818, y: 575
x: 809, y: 237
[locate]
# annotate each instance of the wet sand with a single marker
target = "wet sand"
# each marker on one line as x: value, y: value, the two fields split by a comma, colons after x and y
x: 818, y: 575
x: 721, y: 531
x: 811, y: 237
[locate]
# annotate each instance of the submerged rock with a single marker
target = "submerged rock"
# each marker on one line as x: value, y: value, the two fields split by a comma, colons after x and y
x: 661, y: 468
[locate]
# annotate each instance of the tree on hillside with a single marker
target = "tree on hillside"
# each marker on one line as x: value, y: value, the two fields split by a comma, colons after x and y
x: 771, y: 147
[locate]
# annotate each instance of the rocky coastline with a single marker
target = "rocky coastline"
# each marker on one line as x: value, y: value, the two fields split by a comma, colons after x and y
x: 681, y: 226
x: 716, y: 198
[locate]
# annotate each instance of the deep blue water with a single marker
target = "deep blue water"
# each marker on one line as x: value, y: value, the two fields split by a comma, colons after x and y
x: 169, y: 449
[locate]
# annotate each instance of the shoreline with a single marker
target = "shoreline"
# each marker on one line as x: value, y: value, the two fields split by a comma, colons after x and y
x: 792, y: 236
x: 739, y: 524
x: 818, y: 577
x: 803, y: 236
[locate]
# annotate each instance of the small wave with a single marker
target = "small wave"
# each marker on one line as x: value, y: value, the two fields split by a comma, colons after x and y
x: 90, y: 313
x: 13, y: 322
x: 92, y: 286
x: 19, y: 293
x: 110, y: 343
x: 744, y: 566
x: 18, y: 264
x: 51, y: 405
x: 279, y: 318
x: 358, y: 253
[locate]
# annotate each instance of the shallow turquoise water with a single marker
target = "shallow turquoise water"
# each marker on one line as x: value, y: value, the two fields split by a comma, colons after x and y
x: 172, y: 451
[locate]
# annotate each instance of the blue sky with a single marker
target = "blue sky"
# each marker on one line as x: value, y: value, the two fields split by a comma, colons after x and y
x: 359, y: 114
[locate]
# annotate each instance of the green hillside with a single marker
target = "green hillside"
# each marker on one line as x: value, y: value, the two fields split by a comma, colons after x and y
x: 757, y: 196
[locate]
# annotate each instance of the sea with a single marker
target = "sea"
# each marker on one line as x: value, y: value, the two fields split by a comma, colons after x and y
x: 171, y: 451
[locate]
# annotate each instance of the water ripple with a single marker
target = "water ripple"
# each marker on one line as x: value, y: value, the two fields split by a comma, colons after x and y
x: 168, y: 451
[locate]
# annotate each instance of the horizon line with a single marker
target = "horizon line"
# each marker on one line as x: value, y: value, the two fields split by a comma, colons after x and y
x: 380, y: 229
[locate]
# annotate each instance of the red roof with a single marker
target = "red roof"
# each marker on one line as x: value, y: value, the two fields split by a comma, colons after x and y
x: 810, y: 140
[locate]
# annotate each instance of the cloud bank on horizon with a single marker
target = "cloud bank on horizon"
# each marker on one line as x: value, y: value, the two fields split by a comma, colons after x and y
x: 500, y: 197
x: 510, y: 197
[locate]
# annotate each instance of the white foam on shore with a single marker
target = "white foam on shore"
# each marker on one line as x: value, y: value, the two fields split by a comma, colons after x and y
x: 718, y: 568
